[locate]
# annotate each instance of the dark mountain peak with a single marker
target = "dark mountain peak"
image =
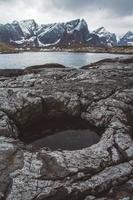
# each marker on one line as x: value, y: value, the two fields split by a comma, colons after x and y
x: 73, y: 21
x: 75, y: 34
x: 107, y: 38
x: 102, y: 28
x: 102, y: 31
x: 83, y: 20
x: 28, y: 21
x: 76, y: 22
x: 127, y: 39
x: 128, y: 34
x: 15, y: 22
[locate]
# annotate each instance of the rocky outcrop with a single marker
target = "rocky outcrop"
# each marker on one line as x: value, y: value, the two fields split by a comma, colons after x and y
x: 107, y: 62
x: 102, y: 98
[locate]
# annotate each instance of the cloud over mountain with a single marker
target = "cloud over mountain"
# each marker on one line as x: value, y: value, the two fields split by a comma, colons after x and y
x: 108, y: 13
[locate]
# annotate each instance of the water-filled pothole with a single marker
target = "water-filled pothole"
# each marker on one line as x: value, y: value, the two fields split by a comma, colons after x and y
x: 58, y: 131
x: 68, y: 140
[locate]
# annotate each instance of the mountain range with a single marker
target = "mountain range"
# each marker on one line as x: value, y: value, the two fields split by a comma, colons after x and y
x: 75, y: 33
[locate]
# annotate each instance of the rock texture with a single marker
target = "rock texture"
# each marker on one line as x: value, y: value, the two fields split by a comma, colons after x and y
x: 103, y: 97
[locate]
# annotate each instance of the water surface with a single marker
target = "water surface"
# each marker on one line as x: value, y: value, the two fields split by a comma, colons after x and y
x: 69, y: 59
x: 68, y: 140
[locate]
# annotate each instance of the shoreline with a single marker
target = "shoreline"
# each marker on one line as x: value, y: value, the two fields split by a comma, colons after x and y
x: 111, y: 50
x: 10, y: 72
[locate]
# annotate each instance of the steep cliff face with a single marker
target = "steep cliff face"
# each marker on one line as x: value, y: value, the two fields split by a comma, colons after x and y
x: 76, y: 35
x: 10, y: 32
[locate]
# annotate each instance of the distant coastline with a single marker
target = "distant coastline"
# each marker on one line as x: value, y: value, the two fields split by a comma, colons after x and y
x: 6, y: 49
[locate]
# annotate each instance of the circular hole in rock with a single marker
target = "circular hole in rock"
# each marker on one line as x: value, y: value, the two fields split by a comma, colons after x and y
x: 68, y: 140
x: 58, y: 131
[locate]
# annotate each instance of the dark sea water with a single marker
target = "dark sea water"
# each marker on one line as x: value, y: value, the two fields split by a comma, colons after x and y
x: 69, y: 59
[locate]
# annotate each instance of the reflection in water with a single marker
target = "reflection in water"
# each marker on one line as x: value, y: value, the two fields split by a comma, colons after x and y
x: 68, y: 59
x: 68, y: 140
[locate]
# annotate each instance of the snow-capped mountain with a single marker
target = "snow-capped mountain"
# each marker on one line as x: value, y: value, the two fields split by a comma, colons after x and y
x: 127, y: 39
x: 75, y: 33
x: 28, y: 27
x: 106, y: 37
x: 29, y: 33
x: 79, y: 36
x: 63, y: 33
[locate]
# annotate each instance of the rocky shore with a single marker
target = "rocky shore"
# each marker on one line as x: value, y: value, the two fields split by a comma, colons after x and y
x: 37, y: 103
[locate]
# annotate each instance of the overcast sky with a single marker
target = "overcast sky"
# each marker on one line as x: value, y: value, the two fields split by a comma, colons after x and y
x: 115, y: 15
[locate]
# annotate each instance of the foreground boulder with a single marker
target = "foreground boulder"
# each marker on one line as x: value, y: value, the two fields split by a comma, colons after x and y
x: 100, y: 98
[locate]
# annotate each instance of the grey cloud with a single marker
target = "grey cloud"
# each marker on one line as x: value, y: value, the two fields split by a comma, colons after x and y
x: 116, y: 15
x: 7, y: 1
x: 117, y: 7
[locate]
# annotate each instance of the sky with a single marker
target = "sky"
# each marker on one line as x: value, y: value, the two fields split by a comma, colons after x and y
x: 115, y: 15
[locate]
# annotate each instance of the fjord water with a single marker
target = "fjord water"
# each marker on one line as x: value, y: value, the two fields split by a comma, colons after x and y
x: 69, y: 59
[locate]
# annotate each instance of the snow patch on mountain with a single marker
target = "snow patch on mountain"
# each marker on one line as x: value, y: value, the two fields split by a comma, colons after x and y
x: 101, y: 32
x: 106, y: 36
x: 48, y: 45
x: 127, y: 39
x: 28, y: 27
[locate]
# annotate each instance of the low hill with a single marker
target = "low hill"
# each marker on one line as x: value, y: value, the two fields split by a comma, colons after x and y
x: 4, y: 48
